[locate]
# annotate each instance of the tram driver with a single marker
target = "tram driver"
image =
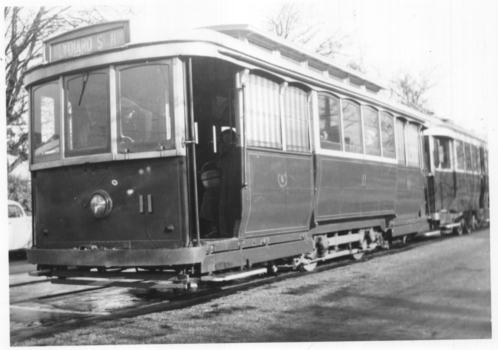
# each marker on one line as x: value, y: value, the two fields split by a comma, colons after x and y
x: 93, y: 130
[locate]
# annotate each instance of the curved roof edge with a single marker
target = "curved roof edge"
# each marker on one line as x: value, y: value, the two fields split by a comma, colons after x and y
x: 249, y: 33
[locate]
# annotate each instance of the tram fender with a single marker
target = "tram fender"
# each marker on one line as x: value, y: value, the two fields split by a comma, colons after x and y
x: 117, y: 257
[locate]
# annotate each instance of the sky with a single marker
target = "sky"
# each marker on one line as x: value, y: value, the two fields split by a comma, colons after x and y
x: 454, y: 42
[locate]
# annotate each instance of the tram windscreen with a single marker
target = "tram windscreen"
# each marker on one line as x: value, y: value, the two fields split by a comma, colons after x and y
x: 144, y: 108
x: 87, y: 114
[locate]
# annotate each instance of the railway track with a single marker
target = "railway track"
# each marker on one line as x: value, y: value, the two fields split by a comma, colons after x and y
x: 165, y: 301
x: 27, y: 283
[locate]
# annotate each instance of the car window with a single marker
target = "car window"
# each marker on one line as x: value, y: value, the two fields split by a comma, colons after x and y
x: 14, y: 211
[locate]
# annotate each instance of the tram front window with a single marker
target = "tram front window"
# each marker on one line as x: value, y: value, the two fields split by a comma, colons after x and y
x: 46, y: 122
x: 144, y: 108
x: 87, y: 114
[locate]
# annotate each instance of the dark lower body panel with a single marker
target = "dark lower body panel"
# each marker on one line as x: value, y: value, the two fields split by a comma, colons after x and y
x: 118, y: 257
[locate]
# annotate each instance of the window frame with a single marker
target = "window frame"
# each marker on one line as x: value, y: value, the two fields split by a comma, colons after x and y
x: 450, y: 156
x: 117, y: 81
x: 474, y: 150
x: 57, y: 123
x: 468, y: 157
x: 94, y: 151
x: 281, y: 104
x: 18, y: 213
x: 339, y: 113
x: 284, y: 118
x: 341, y: 152
x: 361, y: 127
x: 457, y: 166
x: 379, y: 137
x: 412, y: 144
x: 400, y: 141
x: 393, y: 123
x: 177, y: 91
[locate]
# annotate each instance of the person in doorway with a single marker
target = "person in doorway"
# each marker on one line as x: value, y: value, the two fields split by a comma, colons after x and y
x: 220, y: 205
x: 209, y: 210
x: 230, y: 201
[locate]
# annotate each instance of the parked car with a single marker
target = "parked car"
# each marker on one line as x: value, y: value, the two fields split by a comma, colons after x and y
x: 20, y: 228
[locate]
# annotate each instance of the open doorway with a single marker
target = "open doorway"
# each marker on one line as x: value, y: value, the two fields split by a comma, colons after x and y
x: 217, y: 155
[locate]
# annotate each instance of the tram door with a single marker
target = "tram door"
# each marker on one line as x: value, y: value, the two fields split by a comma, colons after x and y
x: 484, y: 188
x: 215, y: 194
x: 429, y: 178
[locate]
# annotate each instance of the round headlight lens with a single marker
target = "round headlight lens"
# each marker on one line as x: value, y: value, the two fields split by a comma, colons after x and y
x: 100, y: 205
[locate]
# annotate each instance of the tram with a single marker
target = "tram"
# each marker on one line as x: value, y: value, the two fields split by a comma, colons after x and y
x: 226, y: 149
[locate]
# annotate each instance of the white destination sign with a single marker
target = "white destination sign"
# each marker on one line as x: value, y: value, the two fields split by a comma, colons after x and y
x: 87, y: 44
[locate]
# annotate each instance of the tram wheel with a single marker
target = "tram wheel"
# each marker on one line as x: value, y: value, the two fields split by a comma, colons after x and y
x: 459, y: 229
x: 467, y: 228
x: 304, y: 266
x: 308, y: 267
x: 358, y: 256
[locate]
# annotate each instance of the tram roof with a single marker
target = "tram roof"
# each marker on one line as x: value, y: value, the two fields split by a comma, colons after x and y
x: 244, y: 33
x: 282, y: 47
x: 445, y: 128
x: 242, y: 41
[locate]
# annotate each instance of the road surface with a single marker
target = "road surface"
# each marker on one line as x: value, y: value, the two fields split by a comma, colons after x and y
x: 439, y: 289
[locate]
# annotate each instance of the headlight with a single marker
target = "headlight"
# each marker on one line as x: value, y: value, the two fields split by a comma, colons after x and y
x: 100, y: 204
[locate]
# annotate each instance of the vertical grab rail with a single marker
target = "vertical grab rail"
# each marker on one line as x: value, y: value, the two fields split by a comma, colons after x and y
x: 244, y: 147
x: 192, y: 142
x: 242, y: 87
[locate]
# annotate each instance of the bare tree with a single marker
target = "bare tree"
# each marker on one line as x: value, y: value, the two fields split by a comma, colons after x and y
x: 411, y: 90
x: 357, y: 65
x: 25, y: 31
x: 297, y: 22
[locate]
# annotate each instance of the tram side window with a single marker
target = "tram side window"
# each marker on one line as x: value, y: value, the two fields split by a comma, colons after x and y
x: 475, y: 158
x: 330, y: 122
x: 460, y: 155
x: 468, y: 157
x: 372, y: 135
x: 442, y: 153
x: 412, y: 145
x: 296, y: 119
x: 263, y: 112
x: 387, y: 129
x: 46, y: 122
x: 485, y: 161
x: 144, y: 108
x: 87, y: 114
x: 352, y: 127
x: 400, y: 140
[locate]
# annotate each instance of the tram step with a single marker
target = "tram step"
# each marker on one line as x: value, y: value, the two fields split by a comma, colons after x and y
x: 450, y: 226
x: 233, y: 275
x: 159, y: 276
x: 333, y: 255
x: 136, y: 284
x: 39, y: 273
x: 431, y: 233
